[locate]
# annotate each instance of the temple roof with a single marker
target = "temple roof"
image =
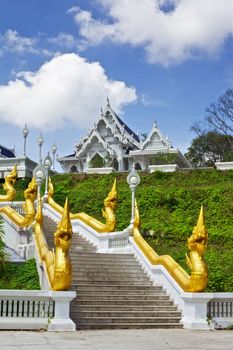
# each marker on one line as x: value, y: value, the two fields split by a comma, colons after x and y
x: 6, y: 152
x: 127, y: 128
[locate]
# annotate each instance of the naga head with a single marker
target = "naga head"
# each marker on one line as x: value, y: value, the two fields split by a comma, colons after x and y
x: 198, y: 240
x: 11, y: 177
x: 31, y: 191
x: 63, y: 234
x: 111, y: 200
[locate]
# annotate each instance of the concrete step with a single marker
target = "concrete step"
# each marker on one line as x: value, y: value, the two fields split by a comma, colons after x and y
x: 126, y: 314
x: 106, y: 293
x: 85, y: 256
x: 121, y: 302
x: 107, y: 256
x: 110, y: 287
x: 122, y: 320
x: 107, y: 279
x: 106, y: 282
x: 102, y: 264
x: 108, y: 274
x: 81, y: 270
x: 131, y: 325
x: 124, y: 308
x: 122, y: 298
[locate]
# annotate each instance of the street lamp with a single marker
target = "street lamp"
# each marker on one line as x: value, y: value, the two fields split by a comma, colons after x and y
x: 25, y: 135
x: 47, y: 166
x: 133, y: 180
x: 39, y: 174
x: 40, y: 142
x: 54, y: 150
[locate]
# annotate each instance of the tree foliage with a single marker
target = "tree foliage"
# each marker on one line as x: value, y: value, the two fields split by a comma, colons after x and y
x: 209, y: 148
x: 219, y: 117
x: 220, y: 114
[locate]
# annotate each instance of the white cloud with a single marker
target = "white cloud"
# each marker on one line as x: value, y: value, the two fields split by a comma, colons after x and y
x: 171, y: 31
x: 13, y: 42
x: 64, y: 40
x: 65, y: 90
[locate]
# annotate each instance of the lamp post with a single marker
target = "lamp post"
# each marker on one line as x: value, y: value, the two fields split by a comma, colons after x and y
x: 25, y: 135
x: 47, y: 166
x: 133, y: 180
x: 54, y: 150
x: 39, y: 174
x: 40, y: 142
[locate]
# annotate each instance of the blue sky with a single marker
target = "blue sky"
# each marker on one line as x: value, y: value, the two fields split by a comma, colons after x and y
x: 163, y: 60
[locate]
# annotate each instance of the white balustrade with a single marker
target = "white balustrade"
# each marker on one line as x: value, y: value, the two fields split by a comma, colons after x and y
x: 42, y: 309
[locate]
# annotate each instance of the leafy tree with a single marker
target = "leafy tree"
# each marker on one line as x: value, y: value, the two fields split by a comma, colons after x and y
x: 208, y: 148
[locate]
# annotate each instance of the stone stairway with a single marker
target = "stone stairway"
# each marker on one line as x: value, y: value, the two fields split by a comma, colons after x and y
x: 113, y: 291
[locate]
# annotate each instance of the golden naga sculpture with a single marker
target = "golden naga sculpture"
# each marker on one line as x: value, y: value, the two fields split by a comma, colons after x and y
x: 8, y: 186
x: 197, y: 244
x: 108, y: 212
x: 29, y: 208
x: 58, y: 263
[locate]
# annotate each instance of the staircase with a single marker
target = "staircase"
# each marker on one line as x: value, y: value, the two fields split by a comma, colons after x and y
x: 113, y: 292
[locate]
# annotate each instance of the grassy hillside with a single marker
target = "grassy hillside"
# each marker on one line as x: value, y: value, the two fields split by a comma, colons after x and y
x: 169, y: 205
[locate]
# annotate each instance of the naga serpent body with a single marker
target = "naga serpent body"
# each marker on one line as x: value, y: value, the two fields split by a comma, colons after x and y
x: 58, y: 263
x: 197, y: 244
x: 108, y: 212
x: 29, y: 208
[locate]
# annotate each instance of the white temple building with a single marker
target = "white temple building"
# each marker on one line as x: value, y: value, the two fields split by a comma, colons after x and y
x: 8, y: 159
x: 112, y: 146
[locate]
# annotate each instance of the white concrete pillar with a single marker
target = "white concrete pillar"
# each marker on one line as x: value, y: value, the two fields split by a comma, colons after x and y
x: 61, y: 320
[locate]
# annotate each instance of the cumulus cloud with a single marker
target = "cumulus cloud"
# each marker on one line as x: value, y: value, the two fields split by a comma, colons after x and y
x: 67, y: 90
x: 171, y: 31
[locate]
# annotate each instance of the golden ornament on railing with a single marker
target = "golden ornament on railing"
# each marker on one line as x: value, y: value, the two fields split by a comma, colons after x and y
x: 108, y: 212
x: 58, y: 263
x: 28, y: 206
x: 197, y: 244
x: 8, y: 186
